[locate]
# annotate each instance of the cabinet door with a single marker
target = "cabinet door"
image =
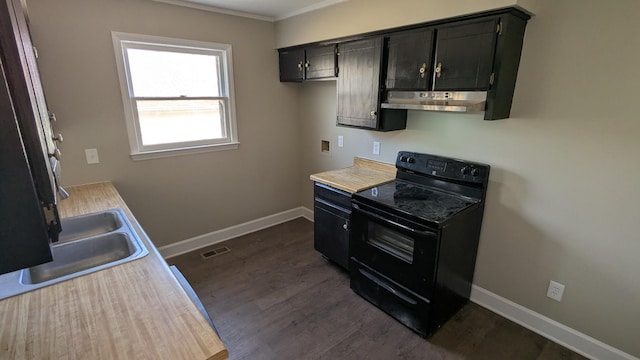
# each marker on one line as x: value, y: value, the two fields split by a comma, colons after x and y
x: 464, y: 55
x: 409, y: 65
x: 24, y: 241
x: 331, y: 233
x: 320, y: 62
x: 28, y: 96
x: 291, y: 65
x: 359, y: 82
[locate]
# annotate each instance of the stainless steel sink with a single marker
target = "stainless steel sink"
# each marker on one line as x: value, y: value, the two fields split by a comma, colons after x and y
x: 88, y: 225
x: 81, y: 255
x: 88, y: 243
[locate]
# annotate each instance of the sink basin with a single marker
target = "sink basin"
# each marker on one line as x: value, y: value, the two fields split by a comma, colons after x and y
x: 80, y: 255
x: 88, y: 225
x: 87, y: 244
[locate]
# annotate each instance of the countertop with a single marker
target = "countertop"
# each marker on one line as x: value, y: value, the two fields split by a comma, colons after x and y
x: 362, y: 175
x: 136, y: 310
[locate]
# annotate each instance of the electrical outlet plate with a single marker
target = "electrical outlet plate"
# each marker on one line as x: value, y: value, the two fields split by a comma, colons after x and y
x: 340, y: 141
x: 376, y: 148
x: 555, y: 290
x: 92, y: 156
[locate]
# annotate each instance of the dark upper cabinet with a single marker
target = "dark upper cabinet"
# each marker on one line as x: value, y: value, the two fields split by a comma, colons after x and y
x: 291, y: 65
x: 358, y: 82
x: 23, y: 79
x: 359, y: 89
x: 23, y: 231
x: 409, y: 60
x: 28, y: 214
x: 312, y: 63
x: 320, y: 62
x: 464, y: 55
x: 477, y: 53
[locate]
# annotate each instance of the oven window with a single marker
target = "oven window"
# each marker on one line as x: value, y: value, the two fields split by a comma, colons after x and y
x: 394, y: 243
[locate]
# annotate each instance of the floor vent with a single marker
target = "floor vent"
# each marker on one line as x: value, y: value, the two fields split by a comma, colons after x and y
x: 215, y: 252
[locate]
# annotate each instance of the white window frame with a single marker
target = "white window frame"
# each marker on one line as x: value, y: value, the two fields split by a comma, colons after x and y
x: 123, y: 41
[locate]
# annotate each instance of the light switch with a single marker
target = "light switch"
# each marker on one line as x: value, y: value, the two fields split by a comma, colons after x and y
x: 92, y: 156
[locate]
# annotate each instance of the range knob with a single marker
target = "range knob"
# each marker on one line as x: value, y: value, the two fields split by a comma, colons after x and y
x: 464, y: 170
x: 411, y: 160
x: 475, y: 172
x: 403, y: 158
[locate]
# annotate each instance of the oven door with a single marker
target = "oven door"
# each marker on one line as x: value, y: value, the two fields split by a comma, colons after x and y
x: 400, y: 249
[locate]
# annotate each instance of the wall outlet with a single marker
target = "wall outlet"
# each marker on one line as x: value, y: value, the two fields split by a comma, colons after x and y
x: 340, y: 141
x: 555, y: 290
x: 92, y: 156
x: 376, y: 148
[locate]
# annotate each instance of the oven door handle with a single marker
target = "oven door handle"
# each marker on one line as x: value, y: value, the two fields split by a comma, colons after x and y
x: 396, y: 224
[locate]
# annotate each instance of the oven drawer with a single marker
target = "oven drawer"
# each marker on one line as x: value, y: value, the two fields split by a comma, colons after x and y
x: 402, y: 304
x: 401, y: 250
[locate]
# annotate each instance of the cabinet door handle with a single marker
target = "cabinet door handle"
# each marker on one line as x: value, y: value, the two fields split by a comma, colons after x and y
x: 306, y: 65
x: 56, y: 154
x: 345, y: 226
x: 57, y: 138
x: 438, y: 69
x: 300, y: 66
x: 423, y: 69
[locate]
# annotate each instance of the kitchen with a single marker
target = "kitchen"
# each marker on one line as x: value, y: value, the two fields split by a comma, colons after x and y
x: 571, y: 130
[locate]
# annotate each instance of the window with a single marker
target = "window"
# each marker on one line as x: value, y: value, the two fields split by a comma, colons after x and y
x: 177, y: 95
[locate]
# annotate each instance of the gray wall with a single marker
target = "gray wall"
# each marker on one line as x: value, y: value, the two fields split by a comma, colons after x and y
x: 563, y: 200
x: 179, y: 197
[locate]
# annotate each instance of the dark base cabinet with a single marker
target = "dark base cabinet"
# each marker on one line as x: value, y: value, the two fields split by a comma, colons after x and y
x: 332, y: 213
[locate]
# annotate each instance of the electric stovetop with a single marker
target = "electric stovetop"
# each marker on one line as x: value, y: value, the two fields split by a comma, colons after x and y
x: 417, y: 201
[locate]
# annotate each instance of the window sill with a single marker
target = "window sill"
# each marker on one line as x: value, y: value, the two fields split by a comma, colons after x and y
x: 157, y: 154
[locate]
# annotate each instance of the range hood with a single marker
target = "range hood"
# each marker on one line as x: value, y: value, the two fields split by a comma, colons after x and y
x: 453, y: 101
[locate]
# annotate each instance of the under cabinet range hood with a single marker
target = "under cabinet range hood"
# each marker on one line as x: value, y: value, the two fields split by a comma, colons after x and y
x: 451, y: 101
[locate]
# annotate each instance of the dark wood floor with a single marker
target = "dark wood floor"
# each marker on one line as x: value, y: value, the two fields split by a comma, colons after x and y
x: 274, y: 297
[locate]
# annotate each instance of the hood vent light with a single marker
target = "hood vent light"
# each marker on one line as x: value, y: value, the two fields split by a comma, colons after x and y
x: 454, y: 101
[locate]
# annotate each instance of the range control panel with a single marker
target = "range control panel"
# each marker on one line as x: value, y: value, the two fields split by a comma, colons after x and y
x: 438, y: 166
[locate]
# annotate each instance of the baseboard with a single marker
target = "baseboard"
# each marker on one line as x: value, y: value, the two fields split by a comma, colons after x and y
x: 307, y: 213
x: 185, y: 246
x: 551, y: 329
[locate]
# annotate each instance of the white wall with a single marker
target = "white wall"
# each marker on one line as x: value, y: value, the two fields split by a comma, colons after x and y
x: 180, y: 197
x: 563, y: 200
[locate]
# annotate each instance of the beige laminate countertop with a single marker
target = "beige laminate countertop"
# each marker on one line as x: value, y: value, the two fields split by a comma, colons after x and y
x: 136, y: 310
x: 362, y: 175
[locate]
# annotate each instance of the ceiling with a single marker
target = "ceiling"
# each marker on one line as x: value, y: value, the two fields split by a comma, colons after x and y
x: 268, y: 10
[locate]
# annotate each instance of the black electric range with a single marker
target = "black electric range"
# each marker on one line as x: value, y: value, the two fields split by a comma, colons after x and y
x: 413, y: 241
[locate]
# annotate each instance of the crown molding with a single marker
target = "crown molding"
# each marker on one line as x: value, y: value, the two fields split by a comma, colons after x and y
x: 216, y: 9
